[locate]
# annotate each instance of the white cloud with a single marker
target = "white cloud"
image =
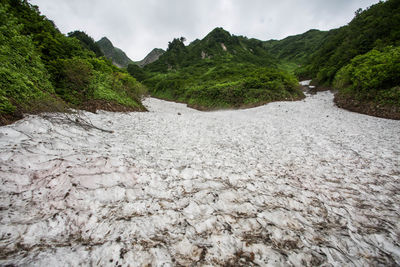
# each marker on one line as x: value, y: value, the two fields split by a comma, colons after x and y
x: 138, y: 26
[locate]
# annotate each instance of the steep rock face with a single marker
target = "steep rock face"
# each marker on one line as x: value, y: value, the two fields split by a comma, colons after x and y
x: 151, y: 57
x: 118, y: 57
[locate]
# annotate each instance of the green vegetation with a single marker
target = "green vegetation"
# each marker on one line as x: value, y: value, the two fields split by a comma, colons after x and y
x: 375, y: 27
x: 372, y: 77
x: 23, y: 77
x: 220, y: 71
x: 151, y: 57
x: 137, y: 72
x: 353, y: 58
x: 298, y: 48
x: 116, y: 55
x: 44, y: 70
x: 213, y: 72
x: 225, y: 85
x: 87, y: 42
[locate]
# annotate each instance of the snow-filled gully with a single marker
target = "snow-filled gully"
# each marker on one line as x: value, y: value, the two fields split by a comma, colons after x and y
x: 289, y: 183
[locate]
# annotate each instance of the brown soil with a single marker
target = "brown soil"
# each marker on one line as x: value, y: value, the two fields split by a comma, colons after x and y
x: 242, y: 106
x: 369, y: 108
x: 94, y: 105
x: 6, y: 119
x: 315, y: 90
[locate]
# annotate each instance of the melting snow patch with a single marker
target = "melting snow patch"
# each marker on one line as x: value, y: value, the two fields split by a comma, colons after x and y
x: 289, y: 183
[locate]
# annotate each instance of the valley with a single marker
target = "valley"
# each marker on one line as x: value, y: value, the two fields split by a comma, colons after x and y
x: 245, y: 166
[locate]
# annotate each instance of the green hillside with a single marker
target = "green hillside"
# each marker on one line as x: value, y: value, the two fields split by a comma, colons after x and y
x: 44, y: 70
x: 116, y: 55
x: 220, y: 71
x: 295, y: 51
x: 375, y: 27
x: 87, y: 42
x: 154, y: 55
x: 296, y: 48
x: 351, y: 59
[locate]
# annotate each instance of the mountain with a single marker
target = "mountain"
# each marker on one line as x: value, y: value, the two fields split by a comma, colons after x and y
x: 218, y: 45
x: 151, y: 57
x: 116, y: 55
x: 296, y: 48
x: 374, y: 28
x: 362, y: 61
x: 219, y: 71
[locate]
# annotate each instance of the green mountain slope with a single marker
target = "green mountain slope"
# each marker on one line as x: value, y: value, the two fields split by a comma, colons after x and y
x: 375, y: 27
x: 294, y: 51
x: 361, y: 60
x: 87, y: 42
x: 220, y: 71
x: 116, y: 55
x: 154, y: 55
x: 296, y: 48
x: 44, y: 70
x: 350, y: 59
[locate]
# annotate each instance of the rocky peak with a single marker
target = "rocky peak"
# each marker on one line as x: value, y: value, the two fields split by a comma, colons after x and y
x: 151, y: 57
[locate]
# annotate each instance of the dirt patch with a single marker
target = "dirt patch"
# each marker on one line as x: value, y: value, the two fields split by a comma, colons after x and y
x: 243, y: 106
x: 313, y: 89
x: 368, y: 108
x: 6, y: 119
x: 94, y: 105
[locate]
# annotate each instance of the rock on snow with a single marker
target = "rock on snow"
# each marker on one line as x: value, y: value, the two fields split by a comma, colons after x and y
x: 289, y: 183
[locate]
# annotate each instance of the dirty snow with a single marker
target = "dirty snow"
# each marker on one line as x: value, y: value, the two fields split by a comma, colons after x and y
x: 289, y: 183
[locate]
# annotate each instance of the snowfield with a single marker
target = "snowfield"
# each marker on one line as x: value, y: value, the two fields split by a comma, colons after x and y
x: 289, y: 183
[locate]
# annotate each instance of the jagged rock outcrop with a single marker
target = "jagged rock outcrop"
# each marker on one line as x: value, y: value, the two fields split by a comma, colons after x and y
x: 151, y: 57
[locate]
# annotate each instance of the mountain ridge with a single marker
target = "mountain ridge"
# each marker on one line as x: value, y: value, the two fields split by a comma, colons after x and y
x: 115, y: 54
x: 151, y: 57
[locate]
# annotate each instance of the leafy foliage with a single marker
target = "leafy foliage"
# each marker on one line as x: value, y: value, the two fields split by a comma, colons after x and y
x: 219, y: 71
x: 23, y: 77
x: 373, y: 76
x: 151, y: 57
x: 42, y: 68
x: 116, y: 55
x: 225, y: 85
x: 87, y: 42
x: 375, y: 27
x: 219, y: 47
x: 136, y: 72
x: 296, y: 48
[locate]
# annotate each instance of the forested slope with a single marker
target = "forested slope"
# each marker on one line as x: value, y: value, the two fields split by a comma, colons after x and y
x: 44, y: 70
x: 360, y: 59
x: 116, y: 55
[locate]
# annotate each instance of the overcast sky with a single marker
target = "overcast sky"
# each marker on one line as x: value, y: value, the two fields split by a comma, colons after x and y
x: 138, y: 26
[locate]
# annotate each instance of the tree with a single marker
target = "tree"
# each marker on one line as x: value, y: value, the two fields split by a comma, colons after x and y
x: 136, y: 72
x: 87, y: 42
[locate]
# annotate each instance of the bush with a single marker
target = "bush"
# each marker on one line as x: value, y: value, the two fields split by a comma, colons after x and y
x: 372, y: 76
x: 74, y: 77
x: 225, y: 85
x: 23, y: 77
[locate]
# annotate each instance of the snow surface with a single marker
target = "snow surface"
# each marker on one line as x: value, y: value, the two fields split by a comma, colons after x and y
x: 288, y: 183
x: 305, y: 83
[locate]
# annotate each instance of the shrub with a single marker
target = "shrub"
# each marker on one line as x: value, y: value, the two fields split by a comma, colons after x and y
x: 372, y: 76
